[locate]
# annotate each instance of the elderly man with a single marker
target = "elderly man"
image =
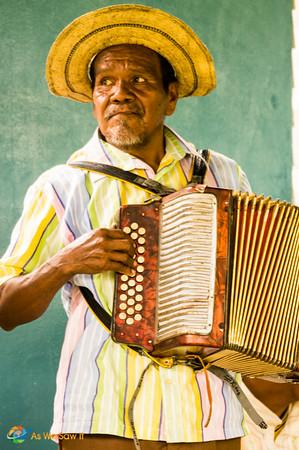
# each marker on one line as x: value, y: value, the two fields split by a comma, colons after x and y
x: 133, y: 63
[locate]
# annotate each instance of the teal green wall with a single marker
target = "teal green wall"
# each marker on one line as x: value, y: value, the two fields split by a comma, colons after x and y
x: 248, y: 117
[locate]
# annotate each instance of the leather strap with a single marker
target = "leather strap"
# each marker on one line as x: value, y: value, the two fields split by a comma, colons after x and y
x: 201, y: 164
x: 112, y: 171
x: 97, y: 309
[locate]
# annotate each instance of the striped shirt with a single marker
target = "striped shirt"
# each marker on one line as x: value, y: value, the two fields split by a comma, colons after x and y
x: 97, y: 377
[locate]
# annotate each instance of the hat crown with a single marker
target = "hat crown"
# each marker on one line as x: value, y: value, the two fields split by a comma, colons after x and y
x: 79, y: 42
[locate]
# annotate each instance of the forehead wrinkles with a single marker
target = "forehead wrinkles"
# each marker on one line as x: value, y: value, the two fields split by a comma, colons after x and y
x: 142, y: 60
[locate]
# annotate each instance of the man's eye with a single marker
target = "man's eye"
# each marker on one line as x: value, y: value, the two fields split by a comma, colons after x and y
x: 139, y: 79
x: 106, y: 82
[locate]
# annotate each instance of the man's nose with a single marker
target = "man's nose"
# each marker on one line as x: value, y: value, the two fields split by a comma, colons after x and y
x: 122, y: 93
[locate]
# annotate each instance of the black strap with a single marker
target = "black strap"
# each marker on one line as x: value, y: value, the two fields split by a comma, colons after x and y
x: 201, y: 164
x: 150, y: 185
x: 98, y: 310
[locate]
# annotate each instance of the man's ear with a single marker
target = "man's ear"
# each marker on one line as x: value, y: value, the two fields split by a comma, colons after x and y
x: 173, y: 95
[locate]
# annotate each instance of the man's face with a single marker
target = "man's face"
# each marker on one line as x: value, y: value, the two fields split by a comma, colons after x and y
x: 130, y: 102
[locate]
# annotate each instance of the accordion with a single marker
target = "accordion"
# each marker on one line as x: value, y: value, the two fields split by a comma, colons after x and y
x: 217, y: 275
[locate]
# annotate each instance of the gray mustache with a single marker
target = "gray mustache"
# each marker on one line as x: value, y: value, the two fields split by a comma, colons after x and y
x: 112, y: 111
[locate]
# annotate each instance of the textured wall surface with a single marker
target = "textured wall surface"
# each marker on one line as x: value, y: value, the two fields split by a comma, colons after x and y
x: 248, y: 117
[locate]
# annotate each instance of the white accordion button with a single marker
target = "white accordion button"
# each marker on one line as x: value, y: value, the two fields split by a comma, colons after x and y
x: 127, y: 230
x: 122, y: 316
x: 137, y: 317
x: 131, y: 292
x: 140, y: 250
x: 124, y: 278
x: 129, y: 321
x: 134, y: 235
x: 138, y: 307
x: 130, y: 311
x: 139, y: 288
x: 123, y: 297
x: 139, y: 298
x: 140, y: 269
x: 124, y: 287
x: 140, y: 259
x: 131, y: 283
x: 141, y: 240
x: 139, y: 278
x: 141, y: 231
x: 134, y: 226
x: 130, y: 302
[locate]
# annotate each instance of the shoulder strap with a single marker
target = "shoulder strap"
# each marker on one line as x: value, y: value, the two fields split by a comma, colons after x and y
x: 98, y: 310
x: 149, y: 185
x: 201, y: 164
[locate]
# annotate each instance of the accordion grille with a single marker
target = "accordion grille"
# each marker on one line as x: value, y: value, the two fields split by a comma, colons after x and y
x: 187, y: 263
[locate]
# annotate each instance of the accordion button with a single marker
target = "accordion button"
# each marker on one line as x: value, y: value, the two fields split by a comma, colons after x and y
x: 122, y: 316
x: 123, y: 297
x: 138, y: 307
x: 138, y: 317
x: 124, y: 287
x: 130, y: 321
x: 139, y: 288
x: 140, y: 250
x: 141, y: 240
x: 131, y: 292
x: 130, y: 311
x: 131, y: 302
x: 139, y: 298
x: 124, y: 278
x: 140, y: 269
x: 141, y: 231
x: 134, y: 226
x: 140, y: 259
x: 122, y: 306
x: 127, y: 230
x: 131, y: 283
x: 134, y: 235
x: 139, y: 278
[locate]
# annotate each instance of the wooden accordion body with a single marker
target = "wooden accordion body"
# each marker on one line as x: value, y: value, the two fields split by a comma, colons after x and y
x: 217, y: 275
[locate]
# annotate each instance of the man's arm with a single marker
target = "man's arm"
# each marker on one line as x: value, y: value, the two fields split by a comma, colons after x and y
x: 26, y: 297
x: 276, y: 396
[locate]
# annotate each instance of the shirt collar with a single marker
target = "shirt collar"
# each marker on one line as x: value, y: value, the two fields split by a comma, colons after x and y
x: 98, y: 150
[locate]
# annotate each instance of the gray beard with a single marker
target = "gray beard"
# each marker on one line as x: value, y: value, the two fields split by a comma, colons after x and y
x: 122, y: 135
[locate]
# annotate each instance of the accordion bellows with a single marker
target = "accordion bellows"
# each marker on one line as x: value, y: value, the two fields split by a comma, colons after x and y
x: 218, y: 275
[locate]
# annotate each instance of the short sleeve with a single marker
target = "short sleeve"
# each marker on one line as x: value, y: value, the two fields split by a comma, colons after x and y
x: 36, y: 236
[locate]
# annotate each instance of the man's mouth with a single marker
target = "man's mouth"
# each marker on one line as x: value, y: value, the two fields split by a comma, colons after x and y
x: 119, y: 112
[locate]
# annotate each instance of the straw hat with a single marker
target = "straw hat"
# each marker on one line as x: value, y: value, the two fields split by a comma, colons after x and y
x: 68, y: 63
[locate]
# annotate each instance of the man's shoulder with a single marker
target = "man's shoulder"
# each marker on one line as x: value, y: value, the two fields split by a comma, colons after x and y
x: 217, y: 157
x: 228, y: 172
x: 59, y: 175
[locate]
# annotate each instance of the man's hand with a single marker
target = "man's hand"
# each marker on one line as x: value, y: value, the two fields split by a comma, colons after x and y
x: 25, y: 298
x: 99, y: 251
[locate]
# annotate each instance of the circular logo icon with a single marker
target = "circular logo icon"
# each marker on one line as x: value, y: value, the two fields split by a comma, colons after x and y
x: 17, y: 434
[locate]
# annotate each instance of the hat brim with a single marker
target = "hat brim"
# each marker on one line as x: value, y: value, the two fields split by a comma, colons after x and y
x: 70, y: 55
